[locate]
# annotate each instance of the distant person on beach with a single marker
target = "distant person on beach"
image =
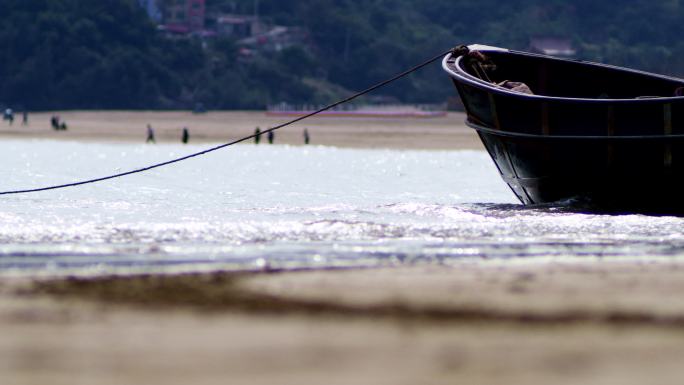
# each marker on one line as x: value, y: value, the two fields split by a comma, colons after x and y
x: 271, y: 137
x: 186, y: 135
x: 150, y: 135
x: 24, y: 118
x: 56, y: 124
x: 9, y: 116
x: 307, y: 138
x: 257, y: 138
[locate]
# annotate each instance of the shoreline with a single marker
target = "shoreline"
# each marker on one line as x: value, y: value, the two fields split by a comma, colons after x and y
x: 440, y: 133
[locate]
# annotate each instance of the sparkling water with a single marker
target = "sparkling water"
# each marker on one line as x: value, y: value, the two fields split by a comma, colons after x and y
x: 269, y: 207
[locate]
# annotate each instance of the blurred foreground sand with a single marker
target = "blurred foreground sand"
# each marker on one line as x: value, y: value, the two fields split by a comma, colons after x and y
x: 485, y: 322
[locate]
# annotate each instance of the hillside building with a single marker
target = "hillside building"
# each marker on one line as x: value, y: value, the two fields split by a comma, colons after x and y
x: 184, y: 16
x: 239, y: 26
x: 177, y: 16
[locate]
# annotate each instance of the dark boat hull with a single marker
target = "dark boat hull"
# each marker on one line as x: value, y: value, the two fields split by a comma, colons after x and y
x: 620, y: 154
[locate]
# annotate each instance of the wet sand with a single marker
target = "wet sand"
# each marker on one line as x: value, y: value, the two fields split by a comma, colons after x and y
x: 443, y: 133
x: 588, y: 321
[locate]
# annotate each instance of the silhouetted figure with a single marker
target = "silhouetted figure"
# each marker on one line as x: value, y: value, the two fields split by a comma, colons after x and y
x: 186, y: 135
x: 54, y: 122
x: 271, y: 137
x: 24, y: 118
x: 257, y: 138
x: 307, y: 138
x: 150, y: 135
x: 9, y: 116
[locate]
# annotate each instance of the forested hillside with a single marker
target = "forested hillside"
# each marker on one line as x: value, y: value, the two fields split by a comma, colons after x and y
x: 107, y: 54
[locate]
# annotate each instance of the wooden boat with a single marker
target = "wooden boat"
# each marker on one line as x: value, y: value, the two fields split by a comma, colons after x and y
x: 587, y: 135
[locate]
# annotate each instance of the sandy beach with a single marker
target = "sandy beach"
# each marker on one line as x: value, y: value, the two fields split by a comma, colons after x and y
x: 478, y: 321
x: 442, y: 133
x: 593, y: 322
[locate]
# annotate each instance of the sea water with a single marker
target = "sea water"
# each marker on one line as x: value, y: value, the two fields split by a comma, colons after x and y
x: 252, y: 207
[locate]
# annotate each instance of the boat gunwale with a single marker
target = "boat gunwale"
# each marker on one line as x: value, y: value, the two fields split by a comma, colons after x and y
x: 453, y: 68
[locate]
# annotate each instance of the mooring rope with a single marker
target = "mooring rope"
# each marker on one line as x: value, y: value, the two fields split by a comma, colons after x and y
x: 415, y: 68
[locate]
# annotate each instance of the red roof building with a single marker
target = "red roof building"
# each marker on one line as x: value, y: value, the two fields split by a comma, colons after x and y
x: 184, y: 16
x: 196, y: 10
